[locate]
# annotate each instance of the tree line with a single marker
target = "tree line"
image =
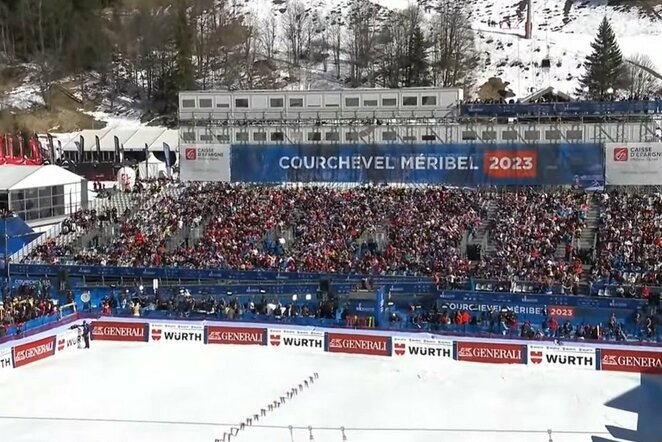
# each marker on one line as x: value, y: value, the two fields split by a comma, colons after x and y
x: 155, y: 48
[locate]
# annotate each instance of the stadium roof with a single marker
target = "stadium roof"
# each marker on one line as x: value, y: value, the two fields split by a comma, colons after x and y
x: 15, y: 177
x: 131, y: 139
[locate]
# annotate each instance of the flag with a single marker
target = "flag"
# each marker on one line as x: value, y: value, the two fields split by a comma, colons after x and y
x: 21, y: 150
x: 122, y: 153
x: 3, y: 160
x: 166, y: 154
x: 35, y: 151
x: 117, y: 149
x: 51, y: 148
x: 146, y: 161
x: 98, y: 143
x: 10, y: 149
x: 81, y: 149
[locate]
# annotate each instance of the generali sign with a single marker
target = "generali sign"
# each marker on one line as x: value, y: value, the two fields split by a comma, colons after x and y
x: 631, y: 361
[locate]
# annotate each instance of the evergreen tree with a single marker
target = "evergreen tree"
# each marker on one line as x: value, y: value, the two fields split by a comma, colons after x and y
x: 416, y: 69
x: 604, y: 67
x: 183, y: 47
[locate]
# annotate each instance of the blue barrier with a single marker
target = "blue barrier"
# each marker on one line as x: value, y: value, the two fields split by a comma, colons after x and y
x: 38, y: 270
x: 571, y: 108
x: 452, y: 164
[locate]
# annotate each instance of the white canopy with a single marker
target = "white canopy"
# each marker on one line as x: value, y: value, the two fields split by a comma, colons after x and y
x: 152, y: 167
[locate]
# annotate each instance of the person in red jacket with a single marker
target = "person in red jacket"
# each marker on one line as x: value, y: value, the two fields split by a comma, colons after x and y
x: 105, y: 310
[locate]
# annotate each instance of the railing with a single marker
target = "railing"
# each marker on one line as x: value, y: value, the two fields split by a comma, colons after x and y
x: 634, y: 334
x: 65, y: 313
x: 26, y: 250
x: 600, y: 108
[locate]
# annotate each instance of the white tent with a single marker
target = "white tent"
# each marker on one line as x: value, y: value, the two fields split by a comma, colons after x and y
x: 152, y: 167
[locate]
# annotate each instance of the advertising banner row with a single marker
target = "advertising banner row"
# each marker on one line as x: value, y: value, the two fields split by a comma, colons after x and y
x: 396, y: 346
x: 587, y: 165
x: 450, y: 164
x: 33, y: 351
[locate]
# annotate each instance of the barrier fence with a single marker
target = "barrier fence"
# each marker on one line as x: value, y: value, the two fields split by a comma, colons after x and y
x: 399, y: 345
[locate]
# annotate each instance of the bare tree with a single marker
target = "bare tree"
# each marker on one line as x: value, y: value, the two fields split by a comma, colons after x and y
x: 453, y: 51
x: 267, y: 36
x: 361, y: 39
x: 335, y: 30
x: 642, y: 79
x: 296, y: 31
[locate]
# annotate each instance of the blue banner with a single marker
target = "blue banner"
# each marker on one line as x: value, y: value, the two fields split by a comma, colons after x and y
x: 450, y: 164
x: 476, y: 301
x: 570, y: 108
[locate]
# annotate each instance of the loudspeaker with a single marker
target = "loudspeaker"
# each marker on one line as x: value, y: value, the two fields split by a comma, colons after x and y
x: 324, y: 285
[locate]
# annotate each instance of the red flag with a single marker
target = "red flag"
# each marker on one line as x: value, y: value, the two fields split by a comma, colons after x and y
x: 35, y: 151
x: 10, y: 149
x: 2, y: 149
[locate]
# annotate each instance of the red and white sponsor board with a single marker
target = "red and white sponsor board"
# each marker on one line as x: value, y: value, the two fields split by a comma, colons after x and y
x: 236, y: 335
x: 493, y: 353
x: 359, y: 344
x: 422, y: 348
x: 189, y: 333
x: 119, y: 331
x: 309, y: 340
x: 34, y: 351
x: 634, y: 361
x: 6, y: 360
x: 66, y: 340
x: 562, y: 355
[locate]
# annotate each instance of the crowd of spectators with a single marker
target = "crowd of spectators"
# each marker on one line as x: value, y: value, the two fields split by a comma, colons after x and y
x: 629, y: 241
x: 526, y: 231
x: 26, y: 302
x: 380, y: 230
x: 640, y: 325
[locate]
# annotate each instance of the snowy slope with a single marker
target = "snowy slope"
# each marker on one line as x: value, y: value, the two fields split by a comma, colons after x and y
x: 562, y: 32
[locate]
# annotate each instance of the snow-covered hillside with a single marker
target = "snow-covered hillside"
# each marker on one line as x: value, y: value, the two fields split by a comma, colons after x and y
x: 562, y: 32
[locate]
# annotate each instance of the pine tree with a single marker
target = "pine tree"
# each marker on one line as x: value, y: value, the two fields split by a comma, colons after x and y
x: 604, y: 67
x: 416, y: 71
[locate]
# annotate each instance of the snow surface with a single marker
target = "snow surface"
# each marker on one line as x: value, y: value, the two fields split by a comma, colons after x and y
x: 181, y: 392
x: 563, y: 36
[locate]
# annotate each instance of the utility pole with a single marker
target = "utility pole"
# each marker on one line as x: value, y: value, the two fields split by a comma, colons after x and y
x: 528, y: 30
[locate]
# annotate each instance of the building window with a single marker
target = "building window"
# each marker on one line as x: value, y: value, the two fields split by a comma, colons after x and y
x: 205, y: 102
x: 370, y: 103
x: 277, y: 136
x: 223, y: 138
x: 332, y: 136
x: 242, y: 136
x: 296, y: 102
x: 189, y: 102
x: 314, y: 136
x: 206, y: 137
x: 241, y: 103
x: 389, y: 102
x: 352, y: 102
x: 223, y: 105
x: 188, y: 137
x: 410, y: 101
x: 389, y: 136
x: 429, y: 100
x: 259, y: 136
x: 352, y: 136
x: 276, y: 102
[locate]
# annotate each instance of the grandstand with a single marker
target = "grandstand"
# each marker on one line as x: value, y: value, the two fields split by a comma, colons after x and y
x: 525, y: 216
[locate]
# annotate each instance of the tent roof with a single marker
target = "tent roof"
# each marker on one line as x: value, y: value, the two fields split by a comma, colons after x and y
x: 131, y: 139
x: 14, y: 177
x: 547, y: 91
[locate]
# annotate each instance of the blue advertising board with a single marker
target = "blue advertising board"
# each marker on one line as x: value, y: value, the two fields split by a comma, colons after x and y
x: 478, y: 301
x: 570, y: 108
x: 448, y: 164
